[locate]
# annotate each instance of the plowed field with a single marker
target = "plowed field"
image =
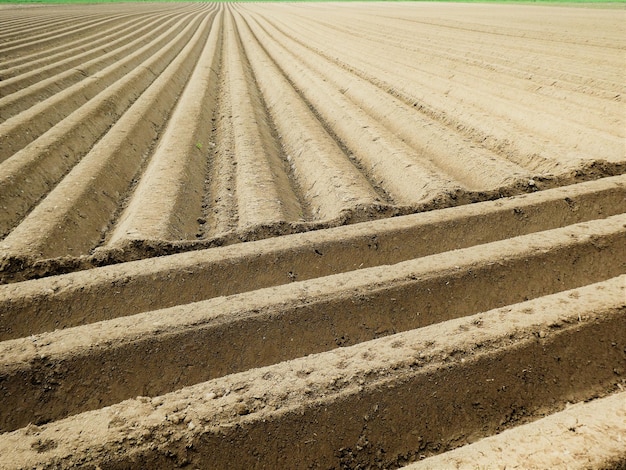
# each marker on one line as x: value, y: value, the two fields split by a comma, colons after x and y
x: 312, y: 235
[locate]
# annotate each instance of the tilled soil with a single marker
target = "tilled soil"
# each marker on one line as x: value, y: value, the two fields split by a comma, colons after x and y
x: 312, y: 236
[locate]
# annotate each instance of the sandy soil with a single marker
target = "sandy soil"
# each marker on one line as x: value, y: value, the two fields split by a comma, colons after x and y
x: 310, y: 235
x: 205, y: 123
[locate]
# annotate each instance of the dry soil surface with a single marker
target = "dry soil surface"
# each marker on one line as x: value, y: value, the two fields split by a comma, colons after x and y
x: 312, y: 235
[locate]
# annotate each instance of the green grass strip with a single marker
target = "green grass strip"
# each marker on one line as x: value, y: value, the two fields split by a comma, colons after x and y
x: 529, y: 2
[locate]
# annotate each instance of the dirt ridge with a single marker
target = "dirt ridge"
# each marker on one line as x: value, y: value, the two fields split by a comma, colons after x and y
x: 321, y: 235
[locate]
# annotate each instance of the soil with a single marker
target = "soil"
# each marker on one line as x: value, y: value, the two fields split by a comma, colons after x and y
x: 312, y: 235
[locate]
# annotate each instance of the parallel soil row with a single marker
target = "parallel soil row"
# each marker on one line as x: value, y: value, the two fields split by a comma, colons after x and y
x: 565, y: 437
x: 284, y: 131
x: 312, y: 236
x: 385, y: 401
x: 100, y: 364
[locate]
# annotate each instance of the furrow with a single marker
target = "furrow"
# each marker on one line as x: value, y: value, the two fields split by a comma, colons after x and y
x: 437, y: 387
x: 220, y: 198
x: 432, y: 98
x: 312, y: 235
x: 263, y: 190
x: 543, y: 123
x: 80, y: 26
x: 324, y: 313
x: 22, y: 46
x: 167, y: 202
x: 24, y: 64
x: 15, y: 26
x: 61, y: 98
x: 474, y: 168
x: 83, y: 297
x: 73, y: 217
x: 533, y: 54
x: 33, y: 171
x: 25, y: 61
x: 330, y: 184
x: 49, y: 68
x: 579, y: 57
x: 392, y: 164
x: 517, y: 85
x: 28, y: 28
x: 583, y: 436
x: 481, y: 75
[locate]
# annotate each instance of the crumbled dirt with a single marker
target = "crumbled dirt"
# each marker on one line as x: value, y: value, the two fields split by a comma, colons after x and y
x: 311, y: 236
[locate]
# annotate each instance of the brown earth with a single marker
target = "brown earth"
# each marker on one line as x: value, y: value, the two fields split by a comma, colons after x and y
x: 312, y: 236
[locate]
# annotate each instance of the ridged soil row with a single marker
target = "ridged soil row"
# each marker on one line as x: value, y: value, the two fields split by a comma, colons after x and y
x: 340, y: 169
x: 540, y: 45
x: 479, y: 72
x: 24, y: 22
x: 24, y: 62
x: 48, y: 100
x: 509, y: 98
x: 481, y: 117
x: 246, y: 185
x: 461, y: 120
x: 16, y: 19
x: 28, y: 90
x: 32, y: 172
x: 529, y: 48
x: 84, y: 297
x: 25, y: 28
x: 387, y: 161
x: 385, y: 401
x: 263, y: 191
x: 474, y: 168
x: 327, y: 181
x: 55, y: 37
x: 584, y: 435
x: 52, y: 65
x: 13, y: 26
x: 98, y: 364
x: 75, y: 214
x: 167, y: 201
x: 71, y: 25
x: 219, y: 205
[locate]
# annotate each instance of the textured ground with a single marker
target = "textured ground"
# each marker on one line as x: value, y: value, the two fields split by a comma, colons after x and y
x: 312, y: 235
